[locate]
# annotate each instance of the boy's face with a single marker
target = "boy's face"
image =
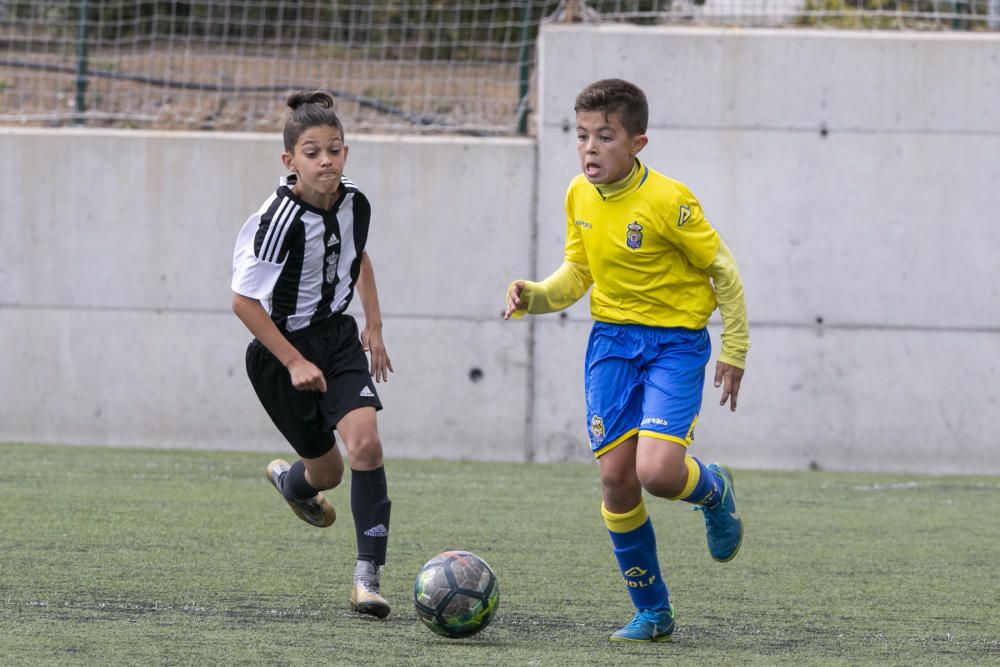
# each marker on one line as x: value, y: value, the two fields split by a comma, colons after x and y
x: 318, y: 160
x: 607, y: 151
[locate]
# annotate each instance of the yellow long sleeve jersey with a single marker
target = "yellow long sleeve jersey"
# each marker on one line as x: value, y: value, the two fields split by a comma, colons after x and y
x: 652, y: 258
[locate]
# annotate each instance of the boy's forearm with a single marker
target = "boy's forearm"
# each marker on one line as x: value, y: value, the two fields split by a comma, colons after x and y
x: 256, y: 319
x: 729, y: 293
x: 369, y: 293
x: 559, y: 291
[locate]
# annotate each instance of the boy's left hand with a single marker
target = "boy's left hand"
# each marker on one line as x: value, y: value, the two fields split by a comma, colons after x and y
x: 514, y: 303
x: 729, y: 378
x: 371, y: 342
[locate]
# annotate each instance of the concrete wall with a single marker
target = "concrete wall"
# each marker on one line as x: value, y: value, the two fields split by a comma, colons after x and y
x: 114, y: 294
x: 854, y: 176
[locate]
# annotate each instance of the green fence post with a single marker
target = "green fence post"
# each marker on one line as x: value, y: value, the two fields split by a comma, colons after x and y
x: 81, y: 64
x: 522, y: 100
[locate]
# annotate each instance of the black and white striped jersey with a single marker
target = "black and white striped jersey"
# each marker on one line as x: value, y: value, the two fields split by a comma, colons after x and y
x: 301, y: 262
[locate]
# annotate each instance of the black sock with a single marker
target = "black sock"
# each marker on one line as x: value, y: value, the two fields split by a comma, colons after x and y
x: 370, y: 506
x: 294, y: 484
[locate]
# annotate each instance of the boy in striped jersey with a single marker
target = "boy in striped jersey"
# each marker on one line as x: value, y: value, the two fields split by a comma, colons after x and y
x: 658, y: 270
x: 296, y: 265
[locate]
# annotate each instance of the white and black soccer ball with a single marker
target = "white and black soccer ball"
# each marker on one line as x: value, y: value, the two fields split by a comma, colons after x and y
x: 456, y: 594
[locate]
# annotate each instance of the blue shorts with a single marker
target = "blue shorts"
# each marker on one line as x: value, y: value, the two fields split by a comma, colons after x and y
x: 643, y: 380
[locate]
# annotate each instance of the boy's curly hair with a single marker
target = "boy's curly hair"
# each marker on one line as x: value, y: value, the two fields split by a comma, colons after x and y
x: 610, y: 96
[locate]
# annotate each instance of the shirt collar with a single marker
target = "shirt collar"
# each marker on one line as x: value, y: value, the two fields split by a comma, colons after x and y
x: 635, y: 177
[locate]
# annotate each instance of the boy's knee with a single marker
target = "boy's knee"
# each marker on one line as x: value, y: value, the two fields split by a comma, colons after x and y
x: 365, y: 451
x: 617, y: 478
x: 620, y: 490
x: 665, y: 482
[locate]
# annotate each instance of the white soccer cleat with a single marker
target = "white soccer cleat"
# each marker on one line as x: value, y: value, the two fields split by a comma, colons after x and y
x: 366, y: 597
x: 316, y: 511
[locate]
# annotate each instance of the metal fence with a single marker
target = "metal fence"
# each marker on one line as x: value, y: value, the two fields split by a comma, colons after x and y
x: 430, y: 66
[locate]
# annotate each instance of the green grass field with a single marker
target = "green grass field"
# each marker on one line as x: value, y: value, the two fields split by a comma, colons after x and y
x: 140, y: 557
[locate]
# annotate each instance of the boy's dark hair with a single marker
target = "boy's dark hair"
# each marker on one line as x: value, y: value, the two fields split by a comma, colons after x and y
x: 616, y: 96
x: 309, y: 109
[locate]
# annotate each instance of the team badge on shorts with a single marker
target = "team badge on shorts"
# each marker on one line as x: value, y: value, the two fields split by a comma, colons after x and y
x: 634, y: 236
x: 597, y: 429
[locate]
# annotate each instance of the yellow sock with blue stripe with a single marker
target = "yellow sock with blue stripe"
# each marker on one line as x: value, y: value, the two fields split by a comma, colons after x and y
x: 635, y: 549
x: 703, y: 486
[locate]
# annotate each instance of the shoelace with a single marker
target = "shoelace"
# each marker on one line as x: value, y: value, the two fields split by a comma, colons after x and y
x: 721, y: 503
x: 718, y: 529
x: 643, y: 617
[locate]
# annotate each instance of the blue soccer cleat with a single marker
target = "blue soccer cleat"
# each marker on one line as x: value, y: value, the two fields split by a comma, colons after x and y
x: 649, y: 625
x: 723, y: 524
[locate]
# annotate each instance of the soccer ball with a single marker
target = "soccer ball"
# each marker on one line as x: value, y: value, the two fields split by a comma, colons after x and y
x: 456, y: 594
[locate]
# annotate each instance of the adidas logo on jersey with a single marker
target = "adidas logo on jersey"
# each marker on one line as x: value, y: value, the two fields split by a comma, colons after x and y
x: 366, y: 392
x: 377, y: 531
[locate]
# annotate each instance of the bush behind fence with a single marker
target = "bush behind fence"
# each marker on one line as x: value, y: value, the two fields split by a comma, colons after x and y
x: 439, y: 66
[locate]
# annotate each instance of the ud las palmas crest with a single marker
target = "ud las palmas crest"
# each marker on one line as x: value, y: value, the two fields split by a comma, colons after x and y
x: 597, y: 429
x: 634, y: 236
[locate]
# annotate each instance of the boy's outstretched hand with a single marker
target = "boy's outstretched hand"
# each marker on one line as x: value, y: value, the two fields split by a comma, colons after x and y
x: 514, y: 302
x: 729, y: 378
x: 371, y: 342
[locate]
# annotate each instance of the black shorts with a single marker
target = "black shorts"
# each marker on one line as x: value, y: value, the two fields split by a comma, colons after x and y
x: 307, y: 418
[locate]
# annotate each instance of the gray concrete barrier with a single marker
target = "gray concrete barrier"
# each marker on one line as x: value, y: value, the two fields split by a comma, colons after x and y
x: 853, y: 174
x: 854, y: 177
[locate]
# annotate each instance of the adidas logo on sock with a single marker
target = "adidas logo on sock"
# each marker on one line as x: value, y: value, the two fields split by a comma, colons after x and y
x: 366, y: 392
x: 377, y: 531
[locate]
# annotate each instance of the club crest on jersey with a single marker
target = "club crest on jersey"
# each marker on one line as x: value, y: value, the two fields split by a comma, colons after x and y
x: 331, y: 268
x: 332, y: 259
x: 634, y: 235
x: 597, y: 429
x: 683, y: 216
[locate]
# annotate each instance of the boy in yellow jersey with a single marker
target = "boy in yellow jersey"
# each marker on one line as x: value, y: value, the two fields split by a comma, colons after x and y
x: 658, y: 270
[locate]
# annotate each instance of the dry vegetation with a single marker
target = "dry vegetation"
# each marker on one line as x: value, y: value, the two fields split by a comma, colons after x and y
x: 183, y: 90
